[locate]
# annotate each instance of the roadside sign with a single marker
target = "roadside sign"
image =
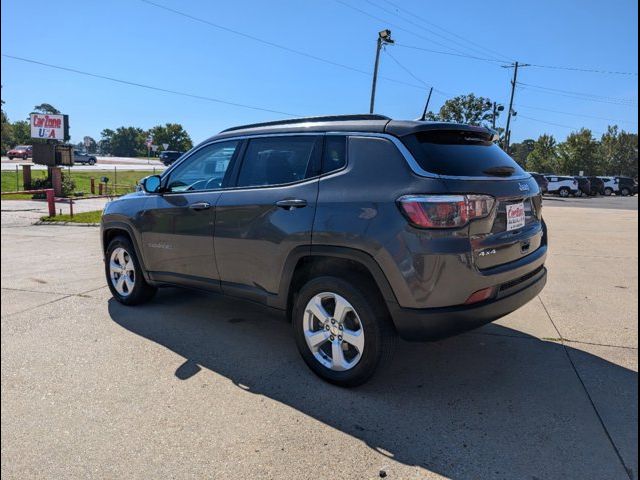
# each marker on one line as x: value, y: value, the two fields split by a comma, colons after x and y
x: 165, y: 146
x: 154, y: 148
x: 50, y: 127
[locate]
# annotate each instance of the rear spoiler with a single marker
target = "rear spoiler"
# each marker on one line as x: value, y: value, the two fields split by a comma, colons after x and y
x: 404, y: 128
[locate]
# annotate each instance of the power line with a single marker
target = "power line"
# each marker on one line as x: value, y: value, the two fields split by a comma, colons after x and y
x: 448, y: 31
x: 395, y: 26
x: 406, y: 69
x: 275, y: 45
x: 149, y: 87
x: 519, y: 106
x: 587, y: 70
x: 558, y: 124
x: 582, y: 94
x: 552, y: 67
x: 462, y: 55
x: 579, y: 96
x: 467, y: 47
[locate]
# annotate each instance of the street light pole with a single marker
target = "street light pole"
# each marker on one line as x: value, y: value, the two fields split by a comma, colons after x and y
x: 384, y: 37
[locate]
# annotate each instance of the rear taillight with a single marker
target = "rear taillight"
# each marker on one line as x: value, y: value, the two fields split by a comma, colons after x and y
x: 445, y: 211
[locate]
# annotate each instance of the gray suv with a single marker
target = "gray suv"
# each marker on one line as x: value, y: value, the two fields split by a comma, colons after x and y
x: 359, y: 228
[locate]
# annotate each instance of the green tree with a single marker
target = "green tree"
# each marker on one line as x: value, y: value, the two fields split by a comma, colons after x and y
x: 46, y: 109
x: 104, y: 145
x: 6, y: 136
x: 520, y: 151
x: 465, y: 109
x: 544, y: 155
x: 22, y: 132
x: 619, y: 152
x: 579, y: 152
x: 174, y: 135
x: 127, y: 142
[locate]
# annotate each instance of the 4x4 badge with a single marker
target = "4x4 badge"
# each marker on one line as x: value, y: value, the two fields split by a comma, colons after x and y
x: 523, y: 187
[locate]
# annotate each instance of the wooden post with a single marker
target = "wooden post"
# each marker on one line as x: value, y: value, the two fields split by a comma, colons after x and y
x: 26, y: 177
x: 93, y: 186
x: 71, y: 207
x: 100, y: 188
x: 51, y: 202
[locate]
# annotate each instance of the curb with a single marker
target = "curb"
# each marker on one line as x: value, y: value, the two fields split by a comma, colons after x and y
x: 67, y: 224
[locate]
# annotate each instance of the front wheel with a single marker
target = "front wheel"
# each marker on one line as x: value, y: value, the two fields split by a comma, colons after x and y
x: 625, y: 192
x: 342, y: 332
x: 92, y: 161
x: 578, y: 193
x: 124, y: 273
x: 608, y: 191
x: 564, y: 192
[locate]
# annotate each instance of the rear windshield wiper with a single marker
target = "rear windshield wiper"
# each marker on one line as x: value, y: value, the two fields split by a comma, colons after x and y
x: 503, y: 171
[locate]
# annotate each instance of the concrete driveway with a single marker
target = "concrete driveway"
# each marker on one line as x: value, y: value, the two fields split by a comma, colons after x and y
x: 194, y: 386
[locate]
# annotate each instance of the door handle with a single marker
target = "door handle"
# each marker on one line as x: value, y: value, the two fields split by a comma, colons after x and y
x: 291, y: 203
x: 200, y: 206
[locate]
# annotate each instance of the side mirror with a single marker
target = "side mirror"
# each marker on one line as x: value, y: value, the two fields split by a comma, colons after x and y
x: 151, y: 184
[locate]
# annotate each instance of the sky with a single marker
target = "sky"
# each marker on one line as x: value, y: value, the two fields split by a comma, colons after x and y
x: 135, y: 41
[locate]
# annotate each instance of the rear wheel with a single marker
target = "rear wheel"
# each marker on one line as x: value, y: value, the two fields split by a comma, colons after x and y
x: 625, y: 192
x: 578, y: 193
x: 124, y: 274
x: 608, y: 191
x: 564, y: 192
x: 92, y: 161
x: 341, y: 331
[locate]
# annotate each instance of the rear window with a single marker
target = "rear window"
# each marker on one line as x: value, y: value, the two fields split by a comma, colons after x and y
x: 460, y: 153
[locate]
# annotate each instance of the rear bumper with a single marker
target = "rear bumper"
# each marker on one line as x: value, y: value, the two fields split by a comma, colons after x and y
x: 436, y: 323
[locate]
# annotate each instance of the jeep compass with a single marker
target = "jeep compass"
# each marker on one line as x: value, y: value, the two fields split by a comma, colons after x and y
x: 359, y: 228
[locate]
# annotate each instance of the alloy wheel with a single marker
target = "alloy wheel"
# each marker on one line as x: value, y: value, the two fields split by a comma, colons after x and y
x: 333, y: 331
x: 122, y: 271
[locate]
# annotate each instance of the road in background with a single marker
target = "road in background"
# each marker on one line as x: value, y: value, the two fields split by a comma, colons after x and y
x: 127, y: 163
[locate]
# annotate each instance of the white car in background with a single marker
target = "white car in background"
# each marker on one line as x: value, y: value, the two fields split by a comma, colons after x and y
x: 610, y: 185
x: 562, y: 185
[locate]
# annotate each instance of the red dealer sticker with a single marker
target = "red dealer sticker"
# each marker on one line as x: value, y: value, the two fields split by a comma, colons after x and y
x: 515, y: 216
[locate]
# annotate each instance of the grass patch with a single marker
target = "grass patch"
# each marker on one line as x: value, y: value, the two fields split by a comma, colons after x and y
x: 125, y: 180
x: 82, y: 217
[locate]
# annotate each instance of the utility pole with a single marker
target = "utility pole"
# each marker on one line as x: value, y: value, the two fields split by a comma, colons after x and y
x: 426, y: 107
x: 507, y: 133
x: 384, y: 37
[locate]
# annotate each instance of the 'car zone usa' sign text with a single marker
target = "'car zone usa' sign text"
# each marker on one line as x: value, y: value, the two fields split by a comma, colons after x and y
x: 50, y: 127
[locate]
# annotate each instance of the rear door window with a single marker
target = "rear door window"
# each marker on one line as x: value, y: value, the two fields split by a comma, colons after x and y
x: 335, y: 153
x: 459, y: 153
x: 279, y: 160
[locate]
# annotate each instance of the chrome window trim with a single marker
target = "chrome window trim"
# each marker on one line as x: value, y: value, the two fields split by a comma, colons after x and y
x: 241, y: 138
x: 415, y: 167
x: 413, y: 164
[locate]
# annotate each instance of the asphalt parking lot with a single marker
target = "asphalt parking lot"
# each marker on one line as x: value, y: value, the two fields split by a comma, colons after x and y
x: 195, y: 386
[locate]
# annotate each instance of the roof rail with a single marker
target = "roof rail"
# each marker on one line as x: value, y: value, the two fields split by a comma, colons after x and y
x: 326, y: 118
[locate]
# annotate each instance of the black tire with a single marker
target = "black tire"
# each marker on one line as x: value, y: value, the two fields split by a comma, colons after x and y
x: 142, y: 292
x: 564, y: 192
x: 608, y: 191
x: 578, y: 193
x: 92, y: 161
x: 24, y: 157
x: 625, y: 192
x: 380, y: 336
x: 10, y: 157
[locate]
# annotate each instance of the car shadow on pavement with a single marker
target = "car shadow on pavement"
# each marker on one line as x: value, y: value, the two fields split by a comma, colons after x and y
x: 495, y: 403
